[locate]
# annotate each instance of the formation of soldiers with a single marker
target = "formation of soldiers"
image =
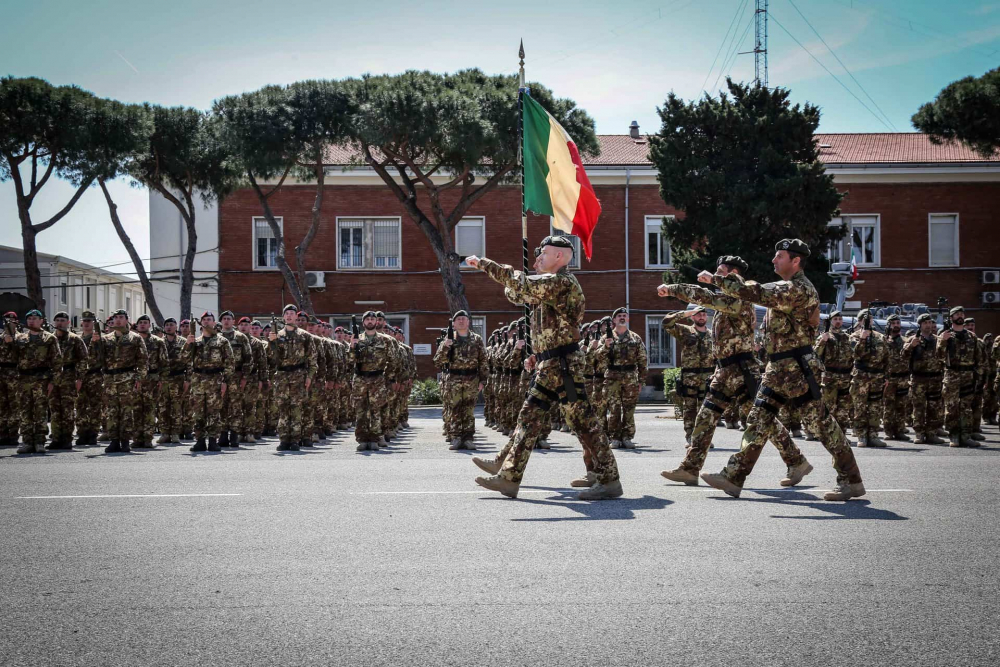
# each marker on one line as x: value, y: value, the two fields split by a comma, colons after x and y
x: 232, y: 382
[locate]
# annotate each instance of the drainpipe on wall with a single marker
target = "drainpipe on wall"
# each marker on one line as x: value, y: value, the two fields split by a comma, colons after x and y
x: 628, y: 174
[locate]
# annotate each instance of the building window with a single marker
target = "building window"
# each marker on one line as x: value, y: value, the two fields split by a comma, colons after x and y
x: 63, y: 293
x: 657, y: 248
x: 265, y: 246
x: 101, y: 292
x: 369, y: 243
x: 86, y: 293
x: 942, y: 239
x: 659, y: 344
x: 479, y: 326
x: 128, y: 306
x: 574, y: 239
x: 470, y: 238
x: 864, y: 240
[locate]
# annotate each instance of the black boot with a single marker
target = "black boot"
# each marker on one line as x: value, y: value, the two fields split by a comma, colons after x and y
x: 199, y: 445
x: 224, y: 439
x: 114, y: 447
x: 234, y: 439
x: 213, y: 445
x: 293, y: 446
x: 283, y: 446
x: 82, y: 438
x: 125, y: 446
x: 306, y: 442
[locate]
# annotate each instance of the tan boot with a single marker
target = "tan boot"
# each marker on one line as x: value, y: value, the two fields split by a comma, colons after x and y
x: 796, y: 473
x: 163, y: 439
x: 175, y: 439
x: 722, y: 483
x: 681, y: 475
x: 845, y: 492
x: 934, y: 440
x: 587, y: 480
x: 456, y: 443
x: 469, y: 444
x: 492, y: 467
x: 875, y: 441
x: 500, y: 484
x: 104, y: 437
x: 602, y: 491
x: 251, y: 439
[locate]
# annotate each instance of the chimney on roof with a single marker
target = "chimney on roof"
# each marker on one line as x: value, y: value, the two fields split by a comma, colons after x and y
x: 633, y: 130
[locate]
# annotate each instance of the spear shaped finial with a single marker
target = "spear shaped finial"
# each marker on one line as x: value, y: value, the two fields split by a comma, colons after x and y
x: 520, y: 72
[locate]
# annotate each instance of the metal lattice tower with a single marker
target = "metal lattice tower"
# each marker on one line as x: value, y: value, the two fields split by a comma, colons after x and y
x: 760, y: 43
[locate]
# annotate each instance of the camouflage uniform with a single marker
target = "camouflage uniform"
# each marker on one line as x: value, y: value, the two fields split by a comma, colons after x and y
x: 232, y: 403
x: 961, y: 360
x: 147, y: 403
x: 990, y: 406
x: 38, y: 360
x: 626, y: 364
x: 895, y: 398
x: 212, y: 364
x: 346, y: 392
x: 465, y: 364
x: 8, y: 394
x: 175, y: 372
x: 979, y: 397
x: 253, y: 394
x: 126, y: 361
x: 295, y: 360
x: 62, y: 400
x: 697, y: 366
x: 926, y: 374
x: 736, y: 377
x: 374, y: 359
x: 793, y: 307
x: 871, y: 358
x: 558, y: 308
x: 90, y: 398
x: 599, y: 399
x: 838, y: 363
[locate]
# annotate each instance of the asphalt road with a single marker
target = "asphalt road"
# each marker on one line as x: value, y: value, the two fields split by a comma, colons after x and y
x: 332, y: 557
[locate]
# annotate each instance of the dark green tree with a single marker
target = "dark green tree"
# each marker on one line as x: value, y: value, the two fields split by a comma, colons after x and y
x: 968, y: 111
x: 440, y: 142
x: 45, y: 130
x: 744, y: 169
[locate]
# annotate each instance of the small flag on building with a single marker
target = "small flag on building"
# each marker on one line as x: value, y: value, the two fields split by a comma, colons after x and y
x: 555, y: 182
x: 854, y: 263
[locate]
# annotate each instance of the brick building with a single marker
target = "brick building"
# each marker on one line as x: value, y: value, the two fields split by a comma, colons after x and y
x: 922, y: 218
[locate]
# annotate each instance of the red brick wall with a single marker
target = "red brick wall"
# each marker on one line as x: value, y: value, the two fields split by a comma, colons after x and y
x: 903, y: 210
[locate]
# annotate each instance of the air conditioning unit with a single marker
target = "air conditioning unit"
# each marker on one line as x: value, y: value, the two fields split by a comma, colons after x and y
x: 991, y: 277
x: 991, y: 298
x: 315, y: 279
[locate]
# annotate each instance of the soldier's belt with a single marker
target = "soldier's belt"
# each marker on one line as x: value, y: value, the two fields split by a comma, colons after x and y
x: 625, y: 369
x: 34, y: 371
x: 698, y: 370
x: 800, y: 354
x: 154, y: 371
x: 94, y: 371
x: 865, y: 368
x: 735, y: 359
x: 369, y: 374
x: 904, y: 374
x: 963, y: 367
x: 841, y: 370
x: 289, y: 369
x: 119, y: 371
x: 174, y: 373
x: 466, y: 372
x: 561, y: 351
x: 208, y: 371
x: 8, y: 364
x: 794, y: 353
x: 928, y: 374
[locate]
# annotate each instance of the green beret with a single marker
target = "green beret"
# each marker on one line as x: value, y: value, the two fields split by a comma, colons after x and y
x: 733, y: 261
x: 142, y: 318
x: 458, y: 314
x: 956, y: 309
x: 792, y: 245
x: 255, y: 323
x: 34, y: 313
x: 369, y: 313
x: 925, y: 317
x: 61, y: 313
x: 169, y: 320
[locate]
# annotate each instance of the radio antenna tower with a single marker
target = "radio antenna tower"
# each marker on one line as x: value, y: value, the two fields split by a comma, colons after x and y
x: 760, y: 43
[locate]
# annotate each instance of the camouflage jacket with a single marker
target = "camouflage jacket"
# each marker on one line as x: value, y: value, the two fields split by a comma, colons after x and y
x: 8, y: 353
x: 157, y: 356
x: 898, y: 366
x: 74, y: 357
x: 293, y: 348
x: 466, y: 353
x: 960, y: 353
x: 95, y: 353
x: 696, y: 348
x: 512, y: 358
x: 557, y: 300
x: 125, y: 356
x: 374, y: 354
x: 984, y: 364
x: 176, y: 365
x: 870, y: 356
x: 242, y: 352
x: 837, y: 352
x: 733, y: 324
x: 923, y: 359
x: 211, y: 353
x: 258, y: 349
x: 626, y: 349
x: 410, y: 363
x: 37, y: 354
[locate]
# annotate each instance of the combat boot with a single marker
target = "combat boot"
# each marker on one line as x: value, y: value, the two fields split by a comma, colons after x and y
x: 497, y: 483
x: 722, y: 483
x: 920, y: 440
x: 975, y: 435
x: 406, y: 424
x: 104, y: 437
x: 586, y: 481
x: 293, y: 446
x: 114, y: 447
x: 312, y: 439
x: 966, y: 441
x: 681, y: 475
x: 543, y: 443
x: 628, y: 444
x: 82, y: 438
x: 934, y: 440
x: 602, y: 491
x: 126, y: 448
x: 845, y: 491
x: 943, y: 432
x: 875, y: 441
x: 954, y: 440
x: 282, y: 446
x: 456, y: 443
x: 862, y: 440
x: 305, y: 442
x: 214, y: 445
x: 362, y: 447
x: 163, y: 439
x: 383, y: 441
x: 901, y: 437
x: 486, y: 465
x: 60, y: 442
x: 796, y: 473
x: 26, y: 448
x: 506, y: 431
x: 616, y: 444
x: 732, y: 425
x: 469, y: 444
x: 223, y: 440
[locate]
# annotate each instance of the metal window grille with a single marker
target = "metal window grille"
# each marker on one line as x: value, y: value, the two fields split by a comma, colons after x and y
x: 266, y: 244
x: 385, y: 243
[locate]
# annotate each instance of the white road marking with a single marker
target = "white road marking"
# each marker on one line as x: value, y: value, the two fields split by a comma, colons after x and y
x: 137, y: 495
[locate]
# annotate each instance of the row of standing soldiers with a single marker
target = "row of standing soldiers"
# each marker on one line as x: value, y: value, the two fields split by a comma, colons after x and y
x: 232, y: 383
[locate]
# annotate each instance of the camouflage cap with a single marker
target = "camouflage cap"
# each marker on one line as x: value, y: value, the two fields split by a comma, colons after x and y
x: 956, y: 309
x: 792, y: 245
x: 733, y: 261
x: 925, y: 317
x: 62, y: 313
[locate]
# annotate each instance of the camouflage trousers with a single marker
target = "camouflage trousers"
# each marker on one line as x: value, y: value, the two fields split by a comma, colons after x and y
x: 790, y: 417
x: 370, y: 394
x: 205, y: 394
x: 32, y: 409
x: 289, y: 396
x: 317, y: 407
x: 990, y: 400
x: 598, y: 402
x: 330, y: 408
x: 691, y: 391
x: 9, y: 407
x: 837, y: 397
x: 119, y: 406
x: 62, y: 407
x: 959, y: 392
x: 253, y: 412
x: 622, y: 395
x: 187, y: 417
x: 386, y: 412
x: 446, y: 403
x: 171, y: 405
x: 547, y: 389
x: 866, y: 395
x: 927, y: 405
x: 89, y: 403
x: 146, y: 406
x: 232, y: 405
x: 271, y: 407
x: 895, y: 400
x: 346, y: 406
x: 727, y: 390
x: 977, y: 402
x: 784, y: 382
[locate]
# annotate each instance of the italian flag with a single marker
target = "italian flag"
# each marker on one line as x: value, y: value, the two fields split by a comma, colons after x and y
x: 854, y: 264
x: 555, y: 182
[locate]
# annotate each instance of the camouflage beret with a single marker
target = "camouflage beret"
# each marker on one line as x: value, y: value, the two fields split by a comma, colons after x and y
x: 142, y: 318
x: 34, y: 312
x: 925, y: 317
x: 733, y: 261
x: 792, y: 245
x: 62, y: 313
x: 956, y: 309
x: 225, y: 313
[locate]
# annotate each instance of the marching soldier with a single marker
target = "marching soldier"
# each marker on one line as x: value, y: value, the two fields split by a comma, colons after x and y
x: 926, y: 374
x: 895, y: 398
x: 959, y: 348
x: 871, y: 356
x: 66, y: 383
x: 148, y: 400
x: 464, y: 359
x: 373, y: 357
x: 833, y: 348
x: 626, y: 372
x: 36, y: 353
x: 176, y: 378
x: 212, y: 367
x: 790, y: 376
x: 126, y: 363
x: 232, y: 402
x: 697, y: 361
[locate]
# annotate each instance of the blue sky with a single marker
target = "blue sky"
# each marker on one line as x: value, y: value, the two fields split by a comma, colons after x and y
x: 617, y: 60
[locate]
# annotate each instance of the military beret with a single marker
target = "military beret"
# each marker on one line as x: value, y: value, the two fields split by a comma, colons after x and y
x: 836, y: 313
x: 379, y: 313
x: 289, y: 307
x: 956, y: 309
x: 893, y: 317
x: 619, y: 311
x: 559, y: 241
x: 34, y: 313
x: 863, y: 314
x: 169, y: 320
x: 255, y: 323
x: 339, y: 330
x: 925, y: 317
x: 87, y: 316
x: 10, y: 313
x: 142, y: 318
x: 183, y: 322
x: 225, y: 313
x: 62, y: 313
x: 697, y: 309
x: 458, y: 314
x: 734, y: 261
x: 302, y: 314
x: 207, y: 313
x: 970, y: 320
x: 244, y: 319
x: 369, y: 313
x: 120, y: 311
x: 267, y: 327
x: 605, y: 319
x: 792, y: 245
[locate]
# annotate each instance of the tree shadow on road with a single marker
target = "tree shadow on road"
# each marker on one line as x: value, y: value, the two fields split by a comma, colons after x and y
x: 857, y: 509
x: 620, y: 509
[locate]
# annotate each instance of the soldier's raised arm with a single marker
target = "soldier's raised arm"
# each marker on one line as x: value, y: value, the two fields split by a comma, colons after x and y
x: 672, y: 324
x: 542, y: 288
x: 702, y: 296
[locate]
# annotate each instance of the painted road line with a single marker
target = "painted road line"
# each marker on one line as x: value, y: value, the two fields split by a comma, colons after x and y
x: 137, y: 495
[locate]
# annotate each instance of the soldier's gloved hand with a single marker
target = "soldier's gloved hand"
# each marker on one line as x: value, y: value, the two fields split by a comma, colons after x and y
x: 472, y: 261
x: 705, y: 277
x: 946, y: 335
x: 663, y: 290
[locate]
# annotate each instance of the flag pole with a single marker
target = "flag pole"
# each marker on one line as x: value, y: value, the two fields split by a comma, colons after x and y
x: 522, y: 90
